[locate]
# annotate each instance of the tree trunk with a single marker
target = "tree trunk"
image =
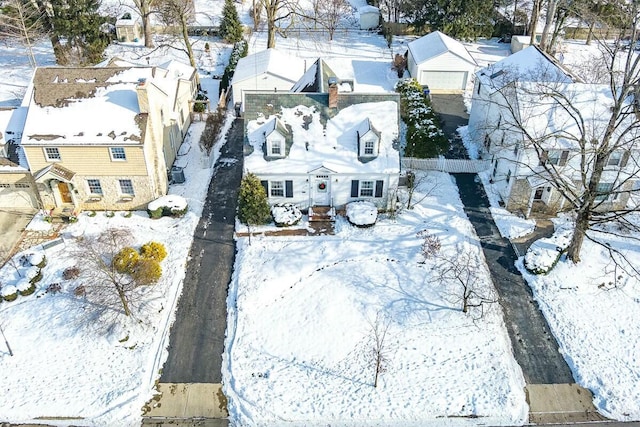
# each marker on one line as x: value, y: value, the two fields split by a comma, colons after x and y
x: 582, y: 225
x: 535, y: 14
x: 185, y: 36
x: 551, y: 12
x: 590, y: 34
x: 124, y: 301
x: 146, y: 23
x: 378, y: 361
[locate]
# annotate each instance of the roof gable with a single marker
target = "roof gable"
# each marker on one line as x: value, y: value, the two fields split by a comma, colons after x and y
x: 435, y: 44
x: 315, y: 79
x: 527, y: 65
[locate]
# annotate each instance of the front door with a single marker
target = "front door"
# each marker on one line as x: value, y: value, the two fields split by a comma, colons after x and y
x: 538, y: 194
x: 321, y: 193
x: 65, y: 193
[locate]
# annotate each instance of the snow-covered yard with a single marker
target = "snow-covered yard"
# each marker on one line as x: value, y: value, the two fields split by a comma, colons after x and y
x: 300, y: 318
x: 64, y: 364
x: 593, y: 309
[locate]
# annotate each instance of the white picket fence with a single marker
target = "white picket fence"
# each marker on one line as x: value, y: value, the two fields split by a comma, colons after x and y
x: 446, y: 165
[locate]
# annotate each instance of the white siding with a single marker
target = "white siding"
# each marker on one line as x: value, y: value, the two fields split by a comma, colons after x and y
x: 445, y: 63
x: 262, y: 82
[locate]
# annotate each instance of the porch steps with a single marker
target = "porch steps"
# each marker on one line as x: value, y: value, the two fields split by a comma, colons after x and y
x: 322, y: 214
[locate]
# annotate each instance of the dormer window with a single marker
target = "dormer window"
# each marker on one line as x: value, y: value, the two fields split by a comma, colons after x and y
x: 368, y: 140
x: 368, y: 148
x: 276, y: 148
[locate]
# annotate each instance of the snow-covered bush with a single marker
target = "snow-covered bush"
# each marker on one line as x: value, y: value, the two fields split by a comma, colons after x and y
x: 545, y: 253
x: 170, y: 205
x: 34, y: 275
x: 37, y: 259
x: 25, y: 287
x: 286, y: 214
x: 9, y: 293
x: 362, y: 213
x: 153, y: 250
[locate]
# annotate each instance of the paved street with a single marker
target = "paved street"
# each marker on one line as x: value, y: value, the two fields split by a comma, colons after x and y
x: 197, y: 336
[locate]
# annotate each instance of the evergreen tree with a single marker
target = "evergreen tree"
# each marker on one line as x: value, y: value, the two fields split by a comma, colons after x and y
x: 253, y: 208
x: 230, y: 27
x: 424, y: 137
x: 463, y: 19
x: 81, y: 26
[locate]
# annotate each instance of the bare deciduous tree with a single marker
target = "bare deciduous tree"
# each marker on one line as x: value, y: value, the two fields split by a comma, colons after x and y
x: 105, y: 286
x: 329, y: 14
x: 279, y: 15
x: 22, y: 20
x: 464, y: 273
x: 596, y: 121
x: 379, y: 358
x: 179, y: 14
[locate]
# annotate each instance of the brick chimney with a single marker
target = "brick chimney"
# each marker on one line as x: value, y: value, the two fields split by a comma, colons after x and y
x: 333, y: 92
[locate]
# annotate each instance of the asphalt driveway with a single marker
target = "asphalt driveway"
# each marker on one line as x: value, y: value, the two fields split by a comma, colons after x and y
x: 197, y: 335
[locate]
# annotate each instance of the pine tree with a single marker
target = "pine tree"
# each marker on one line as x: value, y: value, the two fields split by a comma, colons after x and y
x: 230, y: 27
x: 253, y: 208
x: 81, y: 26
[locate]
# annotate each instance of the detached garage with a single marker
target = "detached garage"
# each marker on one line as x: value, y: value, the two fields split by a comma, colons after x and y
x: 440, y: 62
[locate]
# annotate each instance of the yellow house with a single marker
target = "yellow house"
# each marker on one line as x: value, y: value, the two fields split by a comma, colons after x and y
x: 104, y: 138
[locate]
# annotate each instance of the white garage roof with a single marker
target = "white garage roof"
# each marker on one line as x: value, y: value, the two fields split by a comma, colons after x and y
x: 435, y: 44
x: 269, y: 61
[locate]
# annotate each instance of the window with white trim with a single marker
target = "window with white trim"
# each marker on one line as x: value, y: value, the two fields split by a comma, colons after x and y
x: 117, y: 153
x: 604, y: 192
x: 615, y: 158
x: 126, y: 187
x: 276, y: 148
x: 368, y: 148
x: 94, y: 186
x: 276, y: 188
x: 366, y: 188
x: 52, y: 154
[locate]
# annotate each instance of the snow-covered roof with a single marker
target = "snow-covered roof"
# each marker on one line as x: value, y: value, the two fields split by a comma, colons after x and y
x: 333, y: 148
x: 368, y: 9
x: 96, y: 105
x: 529, y: 64
x: 122, y: 22
x: 270, y: 61
x: 544, y: 117
x: 435, y: 44
x: 315, y: 79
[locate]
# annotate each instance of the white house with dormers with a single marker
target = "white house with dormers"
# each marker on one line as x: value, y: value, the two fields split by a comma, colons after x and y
x: 534, y: 120
x: 313, y: 157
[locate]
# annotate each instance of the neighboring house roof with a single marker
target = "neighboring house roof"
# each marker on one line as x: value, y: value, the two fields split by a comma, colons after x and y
x: 529, y: 64
x: 315, y: 79
x: 435, y: 44
x: 97, y: 105
x: 545, y: 118
x: 368, y: 9
x: 122, y: 22
x: 269, y: 61
x: 333, y: 147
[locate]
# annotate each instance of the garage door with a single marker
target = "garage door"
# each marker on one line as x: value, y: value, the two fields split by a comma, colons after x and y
x: 444, y: 80
x: 16, y: 196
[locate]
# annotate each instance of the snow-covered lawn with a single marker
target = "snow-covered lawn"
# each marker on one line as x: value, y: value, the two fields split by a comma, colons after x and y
x: 66, y: 365
x: 593, y: 309
x: 299, y: 328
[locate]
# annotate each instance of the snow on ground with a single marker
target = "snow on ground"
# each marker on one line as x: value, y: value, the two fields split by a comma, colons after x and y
x: 298, y: 346
x: 593, y: 310
x: 66, y: 366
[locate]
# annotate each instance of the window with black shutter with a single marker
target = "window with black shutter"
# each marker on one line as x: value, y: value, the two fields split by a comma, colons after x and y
x: 265, y: 185
x: 354, y: 188
x: 379, y: 186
